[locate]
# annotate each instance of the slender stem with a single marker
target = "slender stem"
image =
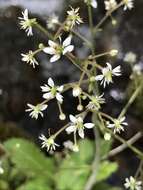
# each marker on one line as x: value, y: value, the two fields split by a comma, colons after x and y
x: 42, y: 29
x: 131, y: 100
x: 96, y: 162
x: 122, y: 147
x: 106, y: 16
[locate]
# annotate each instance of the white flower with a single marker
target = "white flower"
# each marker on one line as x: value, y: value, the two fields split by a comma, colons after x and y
x: 93, y: 3
x: 132, y: 184
x: 36, y: 110
x: 51, y: 91
x: 95, y: 102
x: 76, y: 91
x: 48, y: 143
x: 57, y: 50
x: 29, y: 58
x: 73, y: 17
x: 107, y: 73
x: 130, y: 57
x: 129, y: 4
x: 137, y: 69
x: 26, y: 23
x: 78, y: 125
x: 110, y: 4
x: 118, y: 124
x: 52, y: 22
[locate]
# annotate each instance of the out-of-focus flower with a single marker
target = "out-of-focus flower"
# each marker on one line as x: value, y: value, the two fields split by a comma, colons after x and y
x: 51, y: 91
x: 1, y: 169
x: 108, y: 73
x: 130, y: 57
x: 118, y: 125
x: 113, y: 52
x: 26, y: 23
x: 77, y: 125
x: 92, y: 3
x: 52, y: 22
x: 110, y: 4
x: 71, y: 146
x: 29, y: 58
x: 132, y: 184
x: 57, y: 50
x: 107, y: 136
x: 48, y: 143
x: 129, y: 4
x: 35, y: 111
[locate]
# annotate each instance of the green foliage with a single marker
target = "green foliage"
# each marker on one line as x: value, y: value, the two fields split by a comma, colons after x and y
x: 32, y: 170
x: 105, y: 186
x: 76, y: 168
x: 27, y: 157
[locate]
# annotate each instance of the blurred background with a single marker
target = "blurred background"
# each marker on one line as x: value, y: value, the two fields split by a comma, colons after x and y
x: 20, y: 83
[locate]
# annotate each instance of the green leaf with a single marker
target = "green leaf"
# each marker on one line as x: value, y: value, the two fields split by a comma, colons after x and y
x: 28, y: 158
x: 105, y: 170
x: 37, y: 184
x: 105, y: 147
x: 74, y: 170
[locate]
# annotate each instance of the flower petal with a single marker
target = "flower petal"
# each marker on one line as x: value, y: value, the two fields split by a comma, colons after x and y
x: 70, y: 129
x: 89, y: 125
x: 55, y: 58
x: 59, y: 97
x: 68, y: 49
x: 49, y: 50
x: 73, y: 119
x: 67, y: 41
x: 51, y: 82
x: 81, y: 133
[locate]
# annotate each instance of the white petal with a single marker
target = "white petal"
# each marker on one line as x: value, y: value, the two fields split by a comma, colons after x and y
x: 49, y: 50
x: 47, y: 95
x: 67, y: 41
x: 51, y: 43
x: 94, y: 4
x: 89, y: 125
x: 59, y: 97
x: 60, y: 88
x: 70, y: 129
x: 109, y: 65
x: 81, y: 133
x: 68, y: 49
x: 45, y: 88
x: 111, y: 125
x: 73, y: 119
x: 55, y: 58
x: 99, y: 77
x: 51, y: 82
x: 43, y: 107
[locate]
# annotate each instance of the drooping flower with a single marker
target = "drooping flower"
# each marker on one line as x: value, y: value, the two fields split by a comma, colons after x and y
x: 129, y: 4
x: 76, y: 91
x: 132, y: 184
x: 48, y: 143
x: 77, y: 125
x: 35, y: 111
x: 95, y: 103
x: 110, y: 4
x: 51, y: 91
x: 108, y: 73
x: 29, y: 58
x: 92, y: 3
x: 130, y: 57
x: 26, y: 23
x: 57, y: 50
x: 118, y: 124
